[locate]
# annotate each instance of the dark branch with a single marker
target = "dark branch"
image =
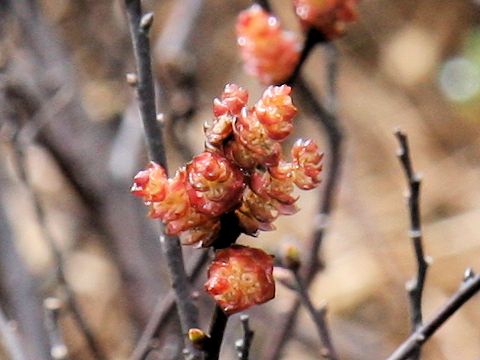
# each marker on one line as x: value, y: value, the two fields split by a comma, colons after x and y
x: 139, y: 27
x: 164, y: 310
x: 415, y: 286
x: 468, y: 289
x: 217, y: 330
x: 319, y: 319
x: 243, y: 345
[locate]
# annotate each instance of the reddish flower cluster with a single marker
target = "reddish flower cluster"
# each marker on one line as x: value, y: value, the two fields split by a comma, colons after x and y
x: 241, y: 173
x: 241, y: 170
x: 240, y: 277
x: 327, y: 16
x: 269, y: 52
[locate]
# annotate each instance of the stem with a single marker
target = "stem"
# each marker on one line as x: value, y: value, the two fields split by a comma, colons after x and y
x: 246, y: 341
x: 217, y: 330
x: 318, y: 317
x: 58, y: 349
x: 139, y: 27
x: 424, y: 332
x: 416, y: 285
x: 163, y: 311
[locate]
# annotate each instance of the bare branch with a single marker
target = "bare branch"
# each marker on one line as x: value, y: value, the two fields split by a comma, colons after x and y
x: 421, y: 335
x: 58, y: 349
x: 139, y: 28
x: 163, y: 311
x: 319, y: 319
x: 243, y: 345
x: 416, y: 285
x: 217, y: 330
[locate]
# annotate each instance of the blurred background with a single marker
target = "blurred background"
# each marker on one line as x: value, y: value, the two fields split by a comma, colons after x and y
x: 413, y: 64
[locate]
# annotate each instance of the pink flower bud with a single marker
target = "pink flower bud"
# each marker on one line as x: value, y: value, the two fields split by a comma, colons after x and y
x: 330, y: 17
x: 269, y: 52
x: 308, y: 164
x: 240, y: 277
x: 151, y: 183
x: 214, y: 184
x: 276, y: 111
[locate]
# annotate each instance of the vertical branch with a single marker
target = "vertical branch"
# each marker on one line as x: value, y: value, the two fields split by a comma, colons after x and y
x: 217, y: 330
x: 21, y: 168
x: 243, y: 345
x: 139, y: 28
x: 416, y: 285
x: 163, y: 311
x: 319, y: 319
x: 58, y: 349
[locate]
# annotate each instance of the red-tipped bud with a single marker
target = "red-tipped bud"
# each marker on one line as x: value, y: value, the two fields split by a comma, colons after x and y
x: 330, y: 17
x: 276, y: 111
x: 235, y: 98
x: 307, y: 163
x: 215, y: 185
x: 269, y: 52
x: 240, y: 277
x: 151, y: 183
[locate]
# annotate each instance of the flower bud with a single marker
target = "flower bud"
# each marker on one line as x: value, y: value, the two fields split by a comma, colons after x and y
x: 214, y: 184
x: 151, y: 183
x: 327, y: 16
x: 269, y: 52
x: 307, y: 164
x: 240, y: 277
x: 276, y: 111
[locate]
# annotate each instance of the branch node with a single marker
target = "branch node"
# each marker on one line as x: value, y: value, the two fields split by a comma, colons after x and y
x: 146, y: 22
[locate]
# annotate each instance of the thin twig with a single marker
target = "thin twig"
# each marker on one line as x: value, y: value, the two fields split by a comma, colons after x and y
x: 21, y: 168
x: 58, y: 349
x: 217, y: 330
x: 139, y: 30
x: 319, y: 319
x: 163, y: 311
x: 244, y: 344
x: 416, y: 285
x: 11, y: 339
x: 313, y: 264
x: 468, y: 289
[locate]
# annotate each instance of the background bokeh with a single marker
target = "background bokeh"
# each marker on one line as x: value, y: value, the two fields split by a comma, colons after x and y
x: 413, y: 64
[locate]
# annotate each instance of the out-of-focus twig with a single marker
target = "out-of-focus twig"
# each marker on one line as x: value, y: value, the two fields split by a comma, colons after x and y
x: 11, y: 341
x: 163, y: 311
x: 410, y: 346
x: 21, y: 168
x: 58, y: 349
x: 416, y: 285
x: 139, y: 30
x: 244, y: 344
x: 319, y: 318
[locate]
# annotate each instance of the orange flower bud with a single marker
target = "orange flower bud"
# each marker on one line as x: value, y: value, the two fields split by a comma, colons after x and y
x: 269, y: 52
x: 250, y: 132
x: 327, y: 16
x: 307, y: 163
x: 151, y: 183
x: 235, y: 98
x: 276, y: 111
x: 240, y: 277
x: 215, y: 185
